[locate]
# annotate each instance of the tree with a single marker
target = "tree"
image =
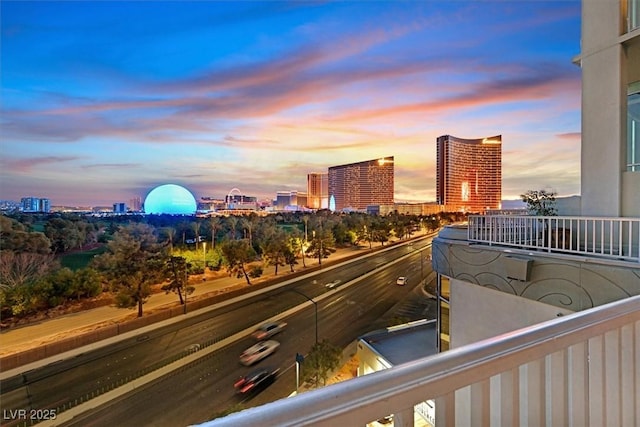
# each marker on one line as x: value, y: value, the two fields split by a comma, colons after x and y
x: 196, y: 228
x: 18, y: 269
x: 540, y: 202
x: 322, y: 359
x: 24, y: 241
x: 232, y: 222
x: 296, y: 246
x: 381, y: 231
x: 214, y: 223
x: 170, y: 232
x: 64, y: 234
x: 274, y: 250
x: 237, y: 254
x: 247, y: 224
x: 19, y: 275
x: 177, y: 271
x: 134, y: 261
x: 322, y: 245
x: 86, y: 283
x: 290, y: 257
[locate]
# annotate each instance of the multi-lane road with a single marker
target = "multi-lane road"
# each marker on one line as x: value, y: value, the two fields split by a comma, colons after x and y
x: 201, y: 390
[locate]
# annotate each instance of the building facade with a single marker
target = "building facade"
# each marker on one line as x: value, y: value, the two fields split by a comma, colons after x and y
x: 135, y: 204
x: 120, y: 208
x: 290, y: 201
x: 469, y: 173
x: 35, y: 204
x: 358, y: 185
x: 318, y: 191
x: 610, y: 152
x: 498, y: 274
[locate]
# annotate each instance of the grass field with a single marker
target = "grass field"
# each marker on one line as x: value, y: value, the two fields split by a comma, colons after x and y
x: 78, y: 260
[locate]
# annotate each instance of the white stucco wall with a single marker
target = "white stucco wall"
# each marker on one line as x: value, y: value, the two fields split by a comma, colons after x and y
x: 478, y: 312
x: 610, y: 60
x: 601, y: 155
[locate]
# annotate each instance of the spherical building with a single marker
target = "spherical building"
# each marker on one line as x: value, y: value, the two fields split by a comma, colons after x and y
x: 170, y: 199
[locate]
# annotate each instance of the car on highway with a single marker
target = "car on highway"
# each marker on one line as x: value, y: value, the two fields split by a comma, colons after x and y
x: 333, y: 284
x: 268, y: 330
x: 258, y: 351
x: 256, y: 381
x: 401, y: 281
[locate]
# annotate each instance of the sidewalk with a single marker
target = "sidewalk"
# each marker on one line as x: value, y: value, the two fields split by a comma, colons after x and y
x: 18, y: 339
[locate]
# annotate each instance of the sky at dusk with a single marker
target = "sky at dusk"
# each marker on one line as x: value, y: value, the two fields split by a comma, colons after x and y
x: 103, y: 101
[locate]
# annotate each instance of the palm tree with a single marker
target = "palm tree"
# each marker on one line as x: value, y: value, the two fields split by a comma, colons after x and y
x: 214, y: 222
x: 196, y: 228
x: 171, y: 235
x: 232, y: 221
x: 247, y: 223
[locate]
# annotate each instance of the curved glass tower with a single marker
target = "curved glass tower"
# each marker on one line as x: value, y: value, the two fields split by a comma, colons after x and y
x: 469, y: 175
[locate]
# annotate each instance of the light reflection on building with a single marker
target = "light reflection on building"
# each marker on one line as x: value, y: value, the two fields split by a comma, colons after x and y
x: 358, y: 185
x: 469, y: 174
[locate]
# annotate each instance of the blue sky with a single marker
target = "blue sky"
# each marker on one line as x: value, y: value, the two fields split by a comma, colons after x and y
x: 102, y: 101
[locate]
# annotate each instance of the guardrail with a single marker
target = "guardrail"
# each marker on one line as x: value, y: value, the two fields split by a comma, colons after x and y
x: 579, y: 370
x: 612, y: 238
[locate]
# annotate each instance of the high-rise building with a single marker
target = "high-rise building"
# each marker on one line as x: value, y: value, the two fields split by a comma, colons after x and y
x: 610, y: 150
x: 35, y: 204
x: 318, y: 190
x: 290, y: 200
x: 469, y: 173
x: 120, y: 208
x: 358, y: 185
x: 135, y: 204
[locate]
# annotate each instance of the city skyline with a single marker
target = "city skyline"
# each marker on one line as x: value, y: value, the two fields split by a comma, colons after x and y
x: 102, y: 102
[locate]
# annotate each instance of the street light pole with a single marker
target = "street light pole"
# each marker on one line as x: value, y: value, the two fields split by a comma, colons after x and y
x: 184, y: 287
x: 204, y: 259
x: 315, y: 306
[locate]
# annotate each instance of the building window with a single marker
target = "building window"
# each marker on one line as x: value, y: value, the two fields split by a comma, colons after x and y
x: 633, y: 14
x: 443, y: 312
x: 633, y: 127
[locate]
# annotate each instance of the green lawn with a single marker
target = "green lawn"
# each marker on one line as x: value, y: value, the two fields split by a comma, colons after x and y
x: 78, y: 260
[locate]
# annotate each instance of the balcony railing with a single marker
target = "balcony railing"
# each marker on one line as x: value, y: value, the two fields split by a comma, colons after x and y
x: 580, y: 370
x: 611, y: 238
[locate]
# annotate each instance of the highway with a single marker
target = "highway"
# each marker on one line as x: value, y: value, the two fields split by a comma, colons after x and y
x: 197, y: 393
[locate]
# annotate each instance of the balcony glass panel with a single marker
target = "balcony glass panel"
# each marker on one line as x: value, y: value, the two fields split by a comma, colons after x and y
x: 633, y: 127
x: 633, y: 14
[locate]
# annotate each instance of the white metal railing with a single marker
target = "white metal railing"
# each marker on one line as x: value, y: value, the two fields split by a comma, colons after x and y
x: 612, y: 238
x: 580, y: 370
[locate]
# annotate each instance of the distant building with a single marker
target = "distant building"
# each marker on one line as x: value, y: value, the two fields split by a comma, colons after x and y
x: 290, y: 201
x: 135, y: 204
x: 412, y: 208
x: 211, y: 204
x: 35, y: 204
x: 358, y: 185
x: 240, y: 201
x: 318, y: 191
x: 120, y: 208
x: 469, y: 173
x: 170, y: 199
x: 9, y: 206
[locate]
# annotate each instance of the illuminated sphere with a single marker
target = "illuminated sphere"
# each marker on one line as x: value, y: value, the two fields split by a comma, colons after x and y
x: 170, y: 199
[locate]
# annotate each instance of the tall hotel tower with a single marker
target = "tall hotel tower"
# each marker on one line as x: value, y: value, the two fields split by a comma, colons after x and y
x: 358, y: 185
x: 469, y: 175
x: 318, y: 191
